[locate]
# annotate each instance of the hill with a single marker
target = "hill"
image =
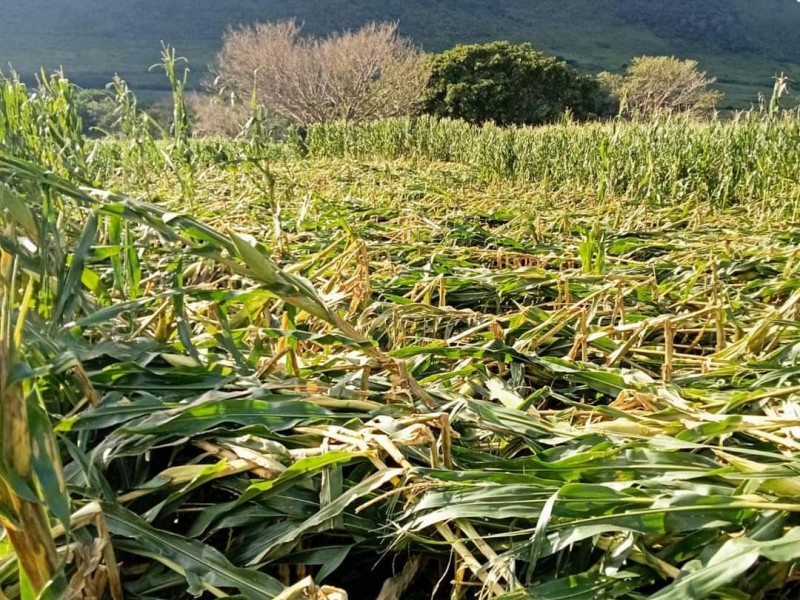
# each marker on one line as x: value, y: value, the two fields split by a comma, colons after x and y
x: 743, y: 43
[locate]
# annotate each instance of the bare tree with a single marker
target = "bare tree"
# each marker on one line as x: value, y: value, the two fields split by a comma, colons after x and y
x: 355, y: 76
x: 654, y: 84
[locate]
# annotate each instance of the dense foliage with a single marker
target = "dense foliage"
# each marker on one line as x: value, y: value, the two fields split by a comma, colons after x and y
x: 396, y: 365
x: 507, y: 84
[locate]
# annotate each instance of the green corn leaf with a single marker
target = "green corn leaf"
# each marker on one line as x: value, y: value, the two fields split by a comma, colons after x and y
x: 195, y: 561
x: 203, y: 415
x: 731, y: 560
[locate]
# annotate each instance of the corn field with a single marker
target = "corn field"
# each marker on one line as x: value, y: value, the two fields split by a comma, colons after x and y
x: 663, y: 161
x: 413, y: 359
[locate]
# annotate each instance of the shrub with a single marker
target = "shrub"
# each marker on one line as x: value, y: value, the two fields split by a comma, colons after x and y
x: 218, y: 116
x: 508, y: 84
x: 356, y: 76
x: 213, y: 116
x: 662, y: 84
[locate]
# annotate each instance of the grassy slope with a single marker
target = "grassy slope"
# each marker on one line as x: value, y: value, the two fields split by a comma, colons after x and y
x: 741, y: 42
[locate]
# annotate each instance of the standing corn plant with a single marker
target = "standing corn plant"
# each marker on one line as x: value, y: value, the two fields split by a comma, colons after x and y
x: 39, y: 293
x: 31, y: 480
x: 180, y: 153
x: 43, y: 124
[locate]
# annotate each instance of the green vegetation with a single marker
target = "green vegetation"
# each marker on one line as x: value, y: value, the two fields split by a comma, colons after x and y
x: 741, y: 42
x: 507, y: 84
x: 651, y: 163
x: 411, y: 355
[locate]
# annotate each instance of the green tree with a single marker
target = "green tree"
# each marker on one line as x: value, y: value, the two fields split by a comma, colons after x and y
x: 97, y: 111
x: 662, y: 84
x: 508, y: 84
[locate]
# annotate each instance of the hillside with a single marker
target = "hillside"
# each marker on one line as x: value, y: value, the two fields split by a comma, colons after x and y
x: 743, y: 43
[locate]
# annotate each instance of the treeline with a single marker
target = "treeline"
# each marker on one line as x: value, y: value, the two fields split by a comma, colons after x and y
x: 275, y: 73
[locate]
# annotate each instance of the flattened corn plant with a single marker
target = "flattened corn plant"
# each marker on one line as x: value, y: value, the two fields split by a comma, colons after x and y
x: 391, y: 380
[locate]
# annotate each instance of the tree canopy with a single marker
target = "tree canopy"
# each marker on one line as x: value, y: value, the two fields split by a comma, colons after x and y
x: 356, y: 76
x: 655, y: 84
x: 509, y: 84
